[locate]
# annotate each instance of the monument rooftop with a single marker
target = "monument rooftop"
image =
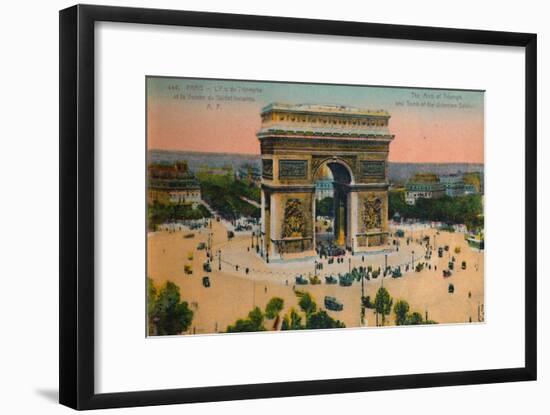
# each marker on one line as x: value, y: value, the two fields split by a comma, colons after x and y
x: 319, y: 109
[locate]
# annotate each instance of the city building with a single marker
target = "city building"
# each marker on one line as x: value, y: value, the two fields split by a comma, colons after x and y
x: 323, y: 188
x: 470, y: 189
x: 425, y: 186
x: 473, y: 183
x: 454, y: 184
x: 172, y: 183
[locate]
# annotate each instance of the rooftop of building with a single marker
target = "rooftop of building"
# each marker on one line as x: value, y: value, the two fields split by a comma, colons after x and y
x: 425, y: 178
x: 328, y: 109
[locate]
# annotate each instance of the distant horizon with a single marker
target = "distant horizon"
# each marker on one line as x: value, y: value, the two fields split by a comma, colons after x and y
x: 259, y: 155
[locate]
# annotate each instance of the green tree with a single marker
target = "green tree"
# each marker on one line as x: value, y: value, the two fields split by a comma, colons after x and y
x: 414, y: 319
x: 321, y: 320
x: 274, y: 307
x: 254, y: 322
x: 325, y: 207
x: 307, y: 304
x: 401, y: 310
x: 382, y: 304
x: 151, y: 303
x: 167, y: 313
x: 292, y: 321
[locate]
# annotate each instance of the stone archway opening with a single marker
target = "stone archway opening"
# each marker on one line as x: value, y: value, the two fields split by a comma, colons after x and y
x: 332, y: 211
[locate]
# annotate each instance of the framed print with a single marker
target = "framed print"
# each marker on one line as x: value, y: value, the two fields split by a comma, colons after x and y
x: 280, y: 207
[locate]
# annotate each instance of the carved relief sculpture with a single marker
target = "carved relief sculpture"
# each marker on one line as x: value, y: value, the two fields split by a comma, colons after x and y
x: 372, y: 213
x: 294, y: 222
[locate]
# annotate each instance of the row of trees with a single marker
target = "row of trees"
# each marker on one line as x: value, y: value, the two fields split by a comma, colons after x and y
x: 465, y: 209
x: 224, y: 194
x: 166, y: 313
x: 312, y: 318
x: 383, y: 303
x: 307, y: 317
x: 158, y: 213
x: 169, y: 315
x: 256, y: 317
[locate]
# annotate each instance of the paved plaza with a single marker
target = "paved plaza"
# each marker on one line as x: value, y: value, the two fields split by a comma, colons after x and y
x: 247, y: 280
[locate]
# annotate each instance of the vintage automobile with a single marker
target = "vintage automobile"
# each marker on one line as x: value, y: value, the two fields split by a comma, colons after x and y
x: 345, y: 280
x: 451, y: 265
x: 315, y: 280
x: 397, y: 273
x: 463, y: 265
x: 201, y: 246
x: 451, y: 288
x: 447, y: 273
x: 188, y: 269
x: 446, y: 248
x: 206, y: 267
x: 400, y: 233
x: 301, y: 280
x: 440, y: 252
x: 206, y: 281
x: 330, y: 280
x: 331, y: 303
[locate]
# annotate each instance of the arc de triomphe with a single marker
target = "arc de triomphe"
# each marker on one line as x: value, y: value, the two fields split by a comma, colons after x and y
x: 296, y: 142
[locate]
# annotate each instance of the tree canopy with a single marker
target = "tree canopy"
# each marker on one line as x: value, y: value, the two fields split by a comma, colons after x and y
x: 383, y: 303
x: 274, y: 307
x: 167, y: 314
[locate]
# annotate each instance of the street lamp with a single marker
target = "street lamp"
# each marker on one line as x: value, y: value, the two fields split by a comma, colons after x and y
x: 362, y: 297
x: 219, y: 260
x: 413, y: 259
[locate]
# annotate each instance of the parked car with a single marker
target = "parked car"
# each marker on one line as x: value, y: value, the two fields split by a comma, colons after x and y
x: 345, y: 280
x: 206, y: 281
x: 397, y: 273
x: 447, y: 273
x: 206, y: 267
x: 330, y: 280
x: 331, y: 303
x: 451, y: 288
x: 301, y: 280
x: 201, y: 246
x: 463, y: 266
x: 440, y: 252
x: 188, y: 269
x: 315, y: 280
x: 451, y: 265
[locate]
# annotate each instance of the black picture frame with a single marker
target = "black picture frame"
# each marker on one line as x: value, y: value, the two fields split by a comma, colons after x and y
x: 76, y: 279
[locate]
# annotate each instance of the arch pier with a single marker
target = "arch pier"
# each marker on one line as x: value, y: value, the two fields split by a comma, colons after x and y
x: 296, y: 142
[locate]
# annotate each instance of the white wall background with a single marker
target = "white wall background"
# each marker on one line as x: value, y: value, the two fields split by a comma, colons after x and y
x: 29, y: 206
